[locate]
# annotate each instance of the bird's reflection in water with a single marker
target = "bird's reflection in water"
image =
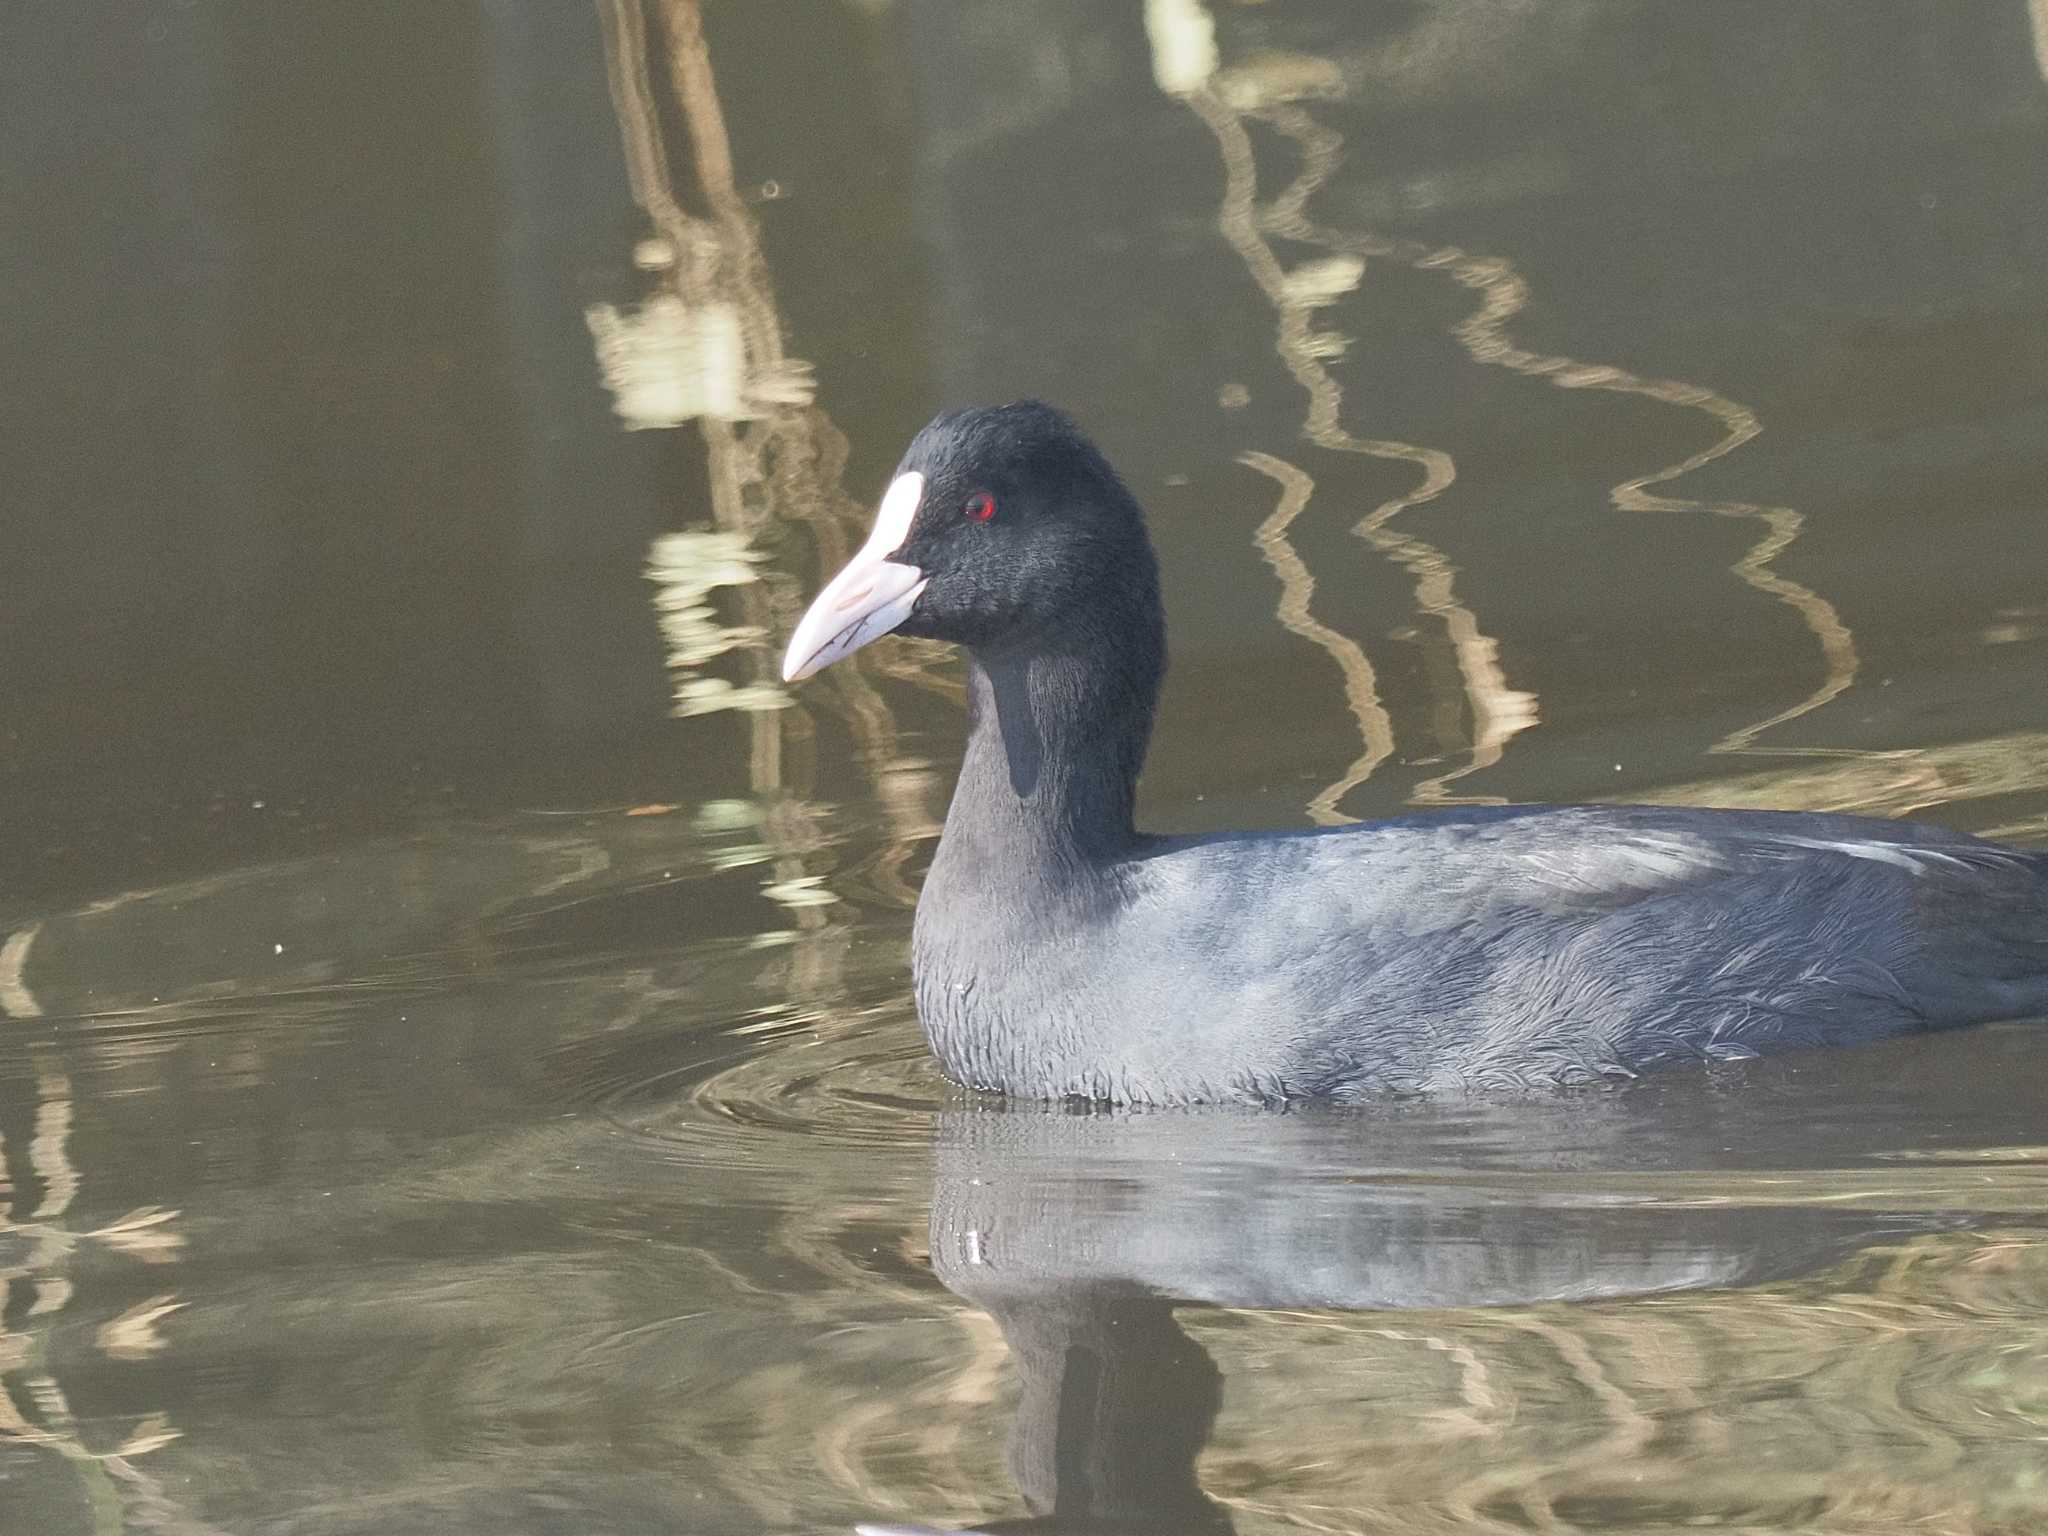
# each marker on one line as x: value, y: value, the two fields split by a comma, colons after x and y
x: 1086, y: 1235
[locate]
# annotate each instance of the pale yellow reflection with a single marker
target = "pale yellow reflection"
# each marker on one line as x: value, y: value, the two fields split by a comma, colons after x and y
x: 134, y: 1335
x: 1268, y: 88
x: 35, y: 1409
x: 1483, y: 335
x: 686, y: 569
x: 1182, y: 35
x: 1497, y: 712
x: 706, y: 346
x: 1503, y: 295
x: 1886, y: 783
x: 2037, y: 16
x: 1297, y: 587
x: 666, y: 363
x: 16, y: 1001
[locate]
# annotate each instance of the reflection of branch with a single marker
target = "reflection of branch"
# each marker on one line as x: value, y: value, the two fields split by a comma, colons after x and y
x: 1498, y: 711
x: 1297, y: 586
x: 121, y: 1494
x: 16, y: 1000
x: 1503, y: 294
x: 1484, y: 336
x: 49, y: 1152
x: 1899, y: 783
x: 1266, y: 90
x: 773, y: 457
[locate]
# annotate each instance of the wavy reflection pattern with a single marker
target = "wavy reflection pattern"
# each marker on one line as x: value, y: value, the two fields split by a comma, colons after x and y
x: 1496, y: 710
x: 1297, y: 588
x: 38, y: 1245
x: 1268, y: 90
x: 1670, y: 1402
x: 1529, y: 1350
x: 707, y: 346
x: 1483, y: 335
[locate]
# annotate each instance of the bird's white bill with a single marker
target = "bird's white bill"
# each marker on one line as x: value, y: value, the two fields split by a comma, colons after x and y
x: 870, y: 597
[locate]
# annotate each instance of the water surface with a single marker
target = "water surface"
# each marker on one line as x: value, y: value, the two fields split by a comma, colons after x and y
x: 456, y: 1067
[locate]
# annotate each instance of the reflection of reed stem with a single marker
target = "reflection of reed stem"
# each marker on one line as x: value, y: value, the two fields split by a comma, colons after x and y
x: 1297, y: 587
x: 689, y: 59
x: 1483, y: 335
x: 119, y: 1494
x: 707, y: 262
x: 784, y: 462
x: 16, y: 1001
x: 1497, y: 711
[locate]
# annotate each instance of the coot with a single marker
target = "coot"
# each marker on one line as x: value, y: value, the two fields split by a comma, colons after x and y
x: 1060, y: 952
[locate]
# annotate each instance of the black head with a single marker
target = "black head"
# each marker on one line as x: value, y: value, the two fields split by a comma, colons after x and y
x: 1004, y: 529
x: 1024, y: 526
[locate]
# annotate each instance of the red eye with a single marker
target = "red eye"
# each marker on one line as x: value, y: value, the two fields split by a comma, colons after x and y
x: 980, y: 507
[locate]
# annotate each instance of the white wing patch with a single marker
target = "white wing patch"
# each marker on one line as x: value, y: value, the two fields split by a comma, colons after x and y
x: 1914, y: 861
x: 1630, y: 866
x: 1663, y: 859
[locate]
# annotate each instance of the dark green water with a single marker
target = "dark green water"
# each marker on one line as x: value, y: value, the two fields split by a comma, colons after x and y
x: 456, y: 1067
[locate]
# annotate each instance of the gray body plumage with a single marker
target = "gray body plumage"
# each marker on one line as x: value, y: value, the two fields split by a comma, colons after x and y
x: 1486, y: 949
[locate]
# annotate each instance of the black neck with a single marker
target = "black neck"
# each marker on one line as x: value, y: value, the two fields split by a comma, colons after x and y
x: 1056, y: 736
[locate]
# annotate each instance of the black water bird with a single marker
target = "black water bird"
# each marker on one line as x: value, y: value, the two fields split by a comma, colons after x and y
x: 1060, y: 952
